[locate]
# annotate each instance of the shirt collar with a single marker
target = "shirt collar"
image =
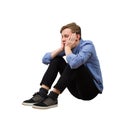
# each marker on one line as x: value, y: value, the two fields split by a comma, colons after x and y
x: 77, y: 47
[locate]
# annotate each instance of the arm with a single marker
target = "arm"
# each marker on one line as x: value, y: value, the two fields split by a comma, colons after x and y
x: 68, y: 50
x: 76, y: 60
x: 56, y: 52
x: 50, y: 55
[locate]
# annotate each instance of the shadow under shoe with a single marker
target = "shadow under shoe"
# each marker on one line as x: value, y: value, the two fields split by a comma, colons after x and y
x: 35, y: 99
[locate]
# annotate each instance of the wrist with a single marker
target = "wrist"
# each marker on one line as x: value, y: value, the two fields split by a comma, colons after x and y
x: 61, y: 49
x: 67, y: 50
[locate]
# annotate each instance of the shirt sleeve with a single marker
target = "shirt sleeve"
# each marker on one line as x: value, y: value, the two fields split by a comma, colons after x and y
x: 76, y: 60
x: 47, y: 58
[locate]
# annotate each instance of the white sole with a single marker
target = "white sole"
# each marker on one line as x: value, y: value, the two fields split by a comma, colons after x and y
x: 28, y: 104
x: 41, y: 107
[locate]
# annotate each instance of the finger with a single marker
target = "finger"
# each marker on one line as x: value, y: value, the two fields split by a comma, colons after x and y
x: 73, y: 37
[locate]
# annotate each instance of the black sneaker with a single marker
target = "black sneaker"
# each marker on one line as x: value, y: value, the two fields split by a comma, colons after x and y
x: 47, y: 103
x: 35, y: 99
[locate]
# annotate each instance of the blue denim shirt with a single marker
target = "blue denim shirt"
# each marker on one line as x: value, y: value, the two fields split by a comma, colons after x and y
x: 83, y: 53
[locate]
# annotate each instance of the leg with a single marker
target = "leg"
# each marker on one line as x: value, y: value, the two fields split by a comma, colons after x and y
x: 79, y: 82
x: 82, y: 84
x: 64, y: 80
x: 57, y: 65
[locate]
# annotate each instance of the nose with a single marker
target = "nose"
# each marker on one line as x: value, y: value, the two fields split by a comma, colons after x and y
x: 63, y: 40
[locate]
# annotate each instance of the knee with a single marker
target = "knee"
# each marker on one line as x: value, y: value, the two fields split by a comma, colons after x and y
x: 57, y: 59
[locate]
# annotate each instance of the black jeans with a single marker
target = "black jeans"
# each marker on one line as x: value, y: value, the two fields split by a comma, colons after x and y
x: 78, y: 81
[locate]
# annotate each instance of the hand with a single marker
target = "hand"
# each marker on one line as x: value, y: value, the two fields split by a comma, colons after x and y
x: 62, y: 45
x: 71, y: 42
x: 57, y: 51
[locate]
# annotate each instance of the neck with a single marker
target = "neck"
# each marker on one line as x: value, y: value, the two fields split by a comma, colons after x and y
x: 78, y: 41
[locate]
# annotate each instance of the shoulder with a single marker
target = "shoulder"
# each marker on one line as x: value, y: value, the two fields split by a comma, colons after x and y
x: 85, y: 42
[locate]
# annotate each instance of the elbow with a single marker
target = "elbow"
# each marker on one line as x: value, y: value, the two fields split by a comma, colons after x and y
x: 73, y: 65
x: 47, y: 58
x: 45, y: 61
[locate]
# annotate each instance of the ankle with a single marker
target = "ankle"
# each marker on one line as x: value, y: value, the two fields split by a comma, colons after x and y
x: 43, y: 92
x: 53, y: 95
x: 45, y: 87
x: 56, y: 91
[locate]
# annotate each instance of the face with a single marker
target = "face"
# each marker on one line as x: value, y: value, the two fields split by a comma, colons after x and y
x: 66, y: 34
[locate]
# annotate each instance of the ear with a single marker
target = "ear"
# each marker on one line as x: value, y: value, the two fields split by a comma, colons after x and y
x: 78, y: 36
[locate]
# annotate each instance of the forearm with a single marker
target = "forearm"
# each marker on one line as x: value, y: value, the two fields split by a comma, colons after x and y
x: 56, y: 52
x: 68, y: 50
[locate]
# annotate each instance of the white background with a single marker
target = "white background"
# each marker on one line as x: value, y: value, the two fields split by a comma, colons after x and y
x: 29, y: 28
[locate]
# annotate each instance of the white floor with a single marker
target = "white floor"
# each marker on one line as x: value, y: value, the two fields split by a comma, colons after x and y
x: 103, y: 107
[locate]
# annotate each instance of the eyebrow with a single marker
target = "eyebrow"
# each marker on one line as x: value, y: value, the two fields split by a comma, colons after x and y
x: 65, y: 35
